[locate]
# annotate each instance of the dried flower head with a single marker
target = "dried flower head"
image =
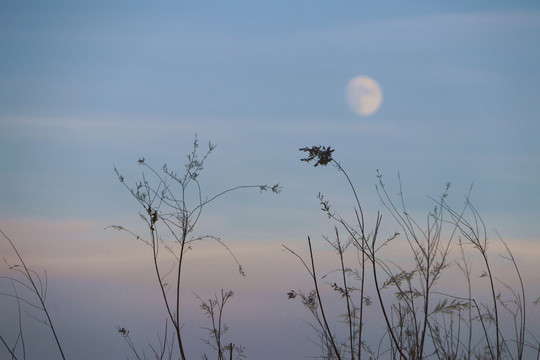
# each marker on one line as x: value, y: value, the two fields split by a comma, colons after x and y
x: 323, y: 154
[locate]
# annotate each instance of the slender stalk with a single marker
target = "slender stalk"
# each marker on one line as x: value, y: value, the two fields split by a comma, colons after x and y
x: 361, y: 225
x: 178, y: 326
x: 19, y: 315
x: 38, y: 294
x: 327, y: 328
x: 360, y: 319
x: 494, y: 297
x: 378, y: 290
x: 420, y: 351
x: 346, y: 289
x: 521, y: 336
x: 13, y: 356
x: 467, y: 273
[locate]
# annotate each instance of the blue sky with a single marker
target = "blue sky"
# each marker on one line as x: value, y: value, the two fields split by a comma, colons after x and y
x: 84, y: 86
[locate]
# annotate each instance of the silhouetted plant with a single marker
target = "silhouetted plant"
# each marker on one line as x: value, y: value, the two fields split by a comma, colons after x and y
x: 163, y: 350
x: 29, y: 290
x: 172, y: 205
x: 213, y: 309
x: 423, y: 321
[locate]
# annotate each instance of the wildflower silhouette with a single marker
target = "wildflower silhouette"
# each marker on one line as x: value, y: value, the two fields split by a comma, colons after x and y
x: 322, y: 153
x: 171, y: 220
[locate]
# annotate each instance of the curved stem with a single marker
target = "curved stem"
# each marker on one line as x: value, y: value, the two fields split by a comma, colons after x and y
x: 327, y: 328
x: 36, y: 291
x: 378, y: 290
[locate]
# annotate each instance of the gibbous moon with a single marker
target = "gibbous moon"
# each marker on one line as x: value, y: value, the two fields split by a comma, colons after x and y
x: 364, y: 95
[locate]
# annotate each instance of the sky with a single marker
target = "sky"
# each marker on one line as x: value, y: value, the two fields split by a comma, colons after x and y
x: 89, y: 86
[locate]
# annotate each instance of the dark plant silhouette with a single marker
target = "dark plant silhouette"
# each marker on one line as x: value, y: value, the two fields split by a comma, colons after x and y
x: 423, y: 321
x: 323, y: 155
x: 213, y: 309
x: 172, y: 206
x: 34, y: 287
